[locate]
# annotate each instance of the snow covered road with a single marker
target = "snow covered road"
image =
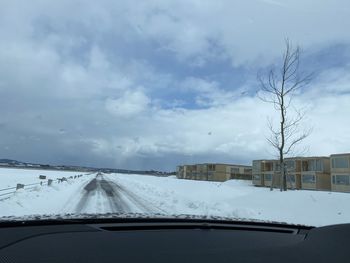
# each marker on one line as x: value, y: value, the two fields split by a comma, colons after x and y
x: 102, y: 195
x: 91, y: 193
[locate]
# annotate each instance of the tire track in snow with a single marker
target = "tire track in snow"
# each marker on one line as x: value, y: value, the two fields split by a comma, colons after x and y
x: 89, y: 189
x: 71, y: 203
x: 139, y: 202
x: 117, y: 204
x: 112, y: 197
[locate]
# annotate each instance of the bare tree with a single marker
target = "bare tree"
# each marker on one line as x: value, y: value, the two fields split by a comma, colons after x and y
x: 278, y: 87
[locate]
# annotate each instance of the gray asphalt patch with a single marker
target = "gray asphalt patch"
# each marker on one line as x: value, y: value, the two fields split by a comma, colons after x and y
x: 107, y: 187
x: 92, y: 185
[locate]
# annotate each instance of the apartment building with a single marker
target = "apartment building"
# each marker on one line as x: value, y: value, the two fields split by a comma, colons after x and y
x: 190, y: 172
x: 186, y: 171
x: 263, y: 172
x: 214, y: 172
x: 267, y: 173
x: 293, y: 172
x: 242, y: 172
x: 340, y: 172
x: 180, y: 171
x: 315, y: 173
x: 301, y: 173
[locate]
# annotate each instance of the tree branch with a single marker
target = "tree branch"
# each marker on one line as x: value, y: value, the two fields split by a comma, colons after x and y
x: 279, y: 90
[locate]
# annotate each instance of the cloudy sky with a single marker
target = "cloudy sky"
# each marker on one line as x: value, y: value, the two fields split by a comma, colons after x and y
x: 153, y: 84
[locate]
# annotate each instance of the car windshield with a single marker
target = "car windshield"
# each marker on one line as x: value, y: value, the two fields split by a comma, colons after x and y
x: 230, y: 109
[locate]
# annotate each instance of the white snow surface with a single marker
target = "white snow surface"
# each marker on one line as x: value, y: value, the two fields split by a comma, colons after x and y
x: 240, y: 199
x: 172, y: 196
x: 11, y: 176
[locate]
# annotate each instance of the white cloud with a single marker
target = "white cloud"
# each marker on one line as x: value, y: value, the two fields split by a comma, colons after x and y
x: 209, y: 93
x: 250, y: 32
x: 237, y: 129
x: 131, y: 103
x: 334, y: 80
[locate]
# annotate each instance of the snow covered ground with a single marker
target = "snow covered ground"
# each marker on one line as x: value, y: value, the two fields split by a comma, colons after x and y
x: 237, y: 198
x: 11, y: 176
x: 39, y: 199
x: 149, y: 194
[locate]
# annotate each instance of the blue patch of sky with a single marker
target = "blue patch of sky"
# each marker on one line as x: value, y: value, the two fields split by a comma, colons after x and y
x: 315, y: 61
x: 332, y: 56
x: 165, y: 63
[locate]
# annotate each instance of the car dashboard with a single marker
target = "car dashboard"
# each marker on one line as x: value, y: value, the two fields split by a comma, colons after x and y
x: 170, y: 240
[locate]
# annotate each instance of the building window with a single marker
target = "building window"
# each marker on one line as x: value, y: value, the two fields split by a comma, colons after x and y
x: 313, y: 165
x: 290, y: 165
x: 256, y: 166
x: 256, y: 177
x: 291, y: 178
x: 341, y: 179
x: 277, y: 167
x: 247, y: 170
x: 268, y: 177
x: 211, y: 167
x: 309, y: 178
x: 319, y: 165
x: 305, y: 166
x: 340, y: 162
x: 234, y: 170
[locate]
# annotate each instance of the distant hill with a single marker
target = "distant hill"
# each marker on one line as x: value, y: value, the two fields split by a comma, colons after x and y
x: 8, y: 161
x: 14, y: 163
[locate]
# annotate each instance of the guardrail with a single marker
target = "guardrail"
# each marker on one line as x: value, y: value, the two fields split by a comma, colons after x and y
x: 6, y: 193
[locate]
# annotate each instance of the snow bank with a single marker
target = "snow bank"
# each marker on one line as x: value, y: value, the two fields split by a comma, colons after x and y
x: 238, y: 198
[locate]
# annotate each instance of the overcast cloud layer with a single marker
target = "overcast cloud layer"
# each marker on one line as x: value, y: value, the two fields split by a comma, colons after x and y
x: 153, y: 84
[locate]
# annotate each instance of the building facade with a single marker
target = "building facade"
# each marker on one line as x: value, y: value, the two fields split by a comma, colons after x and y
x: 293, y: 170
x: 263, y: 172
x: 315, y: 173
x: 309, y: 173
x: 301, y: 173
x: 340, y: 172
x: 214, y: 172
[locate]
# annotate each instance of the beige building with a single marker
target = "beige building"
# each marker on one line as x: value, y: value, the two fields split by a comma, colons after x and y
x: 214, y: 172
x: 293, y: 169
x: 263, y: 172
x: 266, y: 173
x: 315, y: 173
x: 312, y: 173
x: 302, y: 173
x: 180, y: 173
x: 340, y: 172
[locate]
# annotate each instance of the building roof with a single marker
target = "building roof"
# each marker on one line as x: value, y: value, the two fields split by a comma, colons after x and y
x: 314, y: 157
x: 240, y: 165
x: 291, y: 158
x: 340, y: 154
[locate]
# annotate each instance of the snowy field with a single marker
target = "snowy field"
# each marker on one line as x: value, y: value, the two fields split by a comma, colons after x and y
x: 240, y: 199
x: 11, y: 176
x: 125, y: 193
